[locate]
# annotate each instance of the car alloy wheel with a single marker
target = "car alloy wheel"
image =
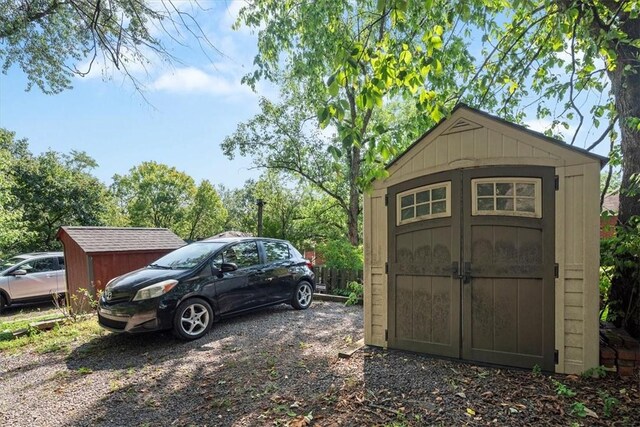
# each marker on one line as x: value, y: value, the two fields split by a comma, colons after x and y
x: 193, y: 319
x: 303, y: 296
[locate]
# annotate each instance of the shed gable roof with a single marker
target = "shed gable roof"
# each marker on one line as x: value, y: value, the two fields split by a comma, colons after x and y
x: 122, y: 239
x: 464, y: 119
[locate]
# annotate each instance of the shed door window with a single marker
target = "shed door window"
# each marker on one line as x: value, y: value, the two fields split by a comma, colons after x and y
x: 507, y: 196
x: 428, y: 202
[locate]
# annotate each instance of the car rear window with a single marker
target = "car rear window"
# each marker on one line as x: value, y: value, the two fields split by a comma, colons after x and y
x: 276, y: 251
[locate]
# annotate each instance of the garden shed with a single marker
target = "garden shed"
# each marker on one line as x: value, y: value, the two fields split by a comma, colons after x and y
x: 482, y: 244
x: 95, y: 255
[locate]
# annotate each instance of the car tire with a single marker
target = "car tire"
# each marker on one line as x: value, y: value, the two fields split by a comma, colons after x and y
x: 302, y: 296
x: 193, y: 319
x: 3, y: 303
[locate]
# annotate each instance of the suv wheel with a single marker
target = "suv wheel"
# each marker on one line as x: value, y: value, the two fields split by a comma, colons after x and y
x: 3, y: 302
x: 193, y: 319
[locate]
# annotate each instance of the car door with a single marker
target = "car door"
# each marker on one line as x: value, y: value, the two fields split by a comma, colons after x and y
x: 279, y: 278
x: 239, y: 290
x: 40, y: 280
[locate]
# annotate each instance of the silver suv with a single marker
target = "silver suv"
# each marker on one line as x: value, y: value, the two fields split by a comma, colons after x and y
x: 31, y: 277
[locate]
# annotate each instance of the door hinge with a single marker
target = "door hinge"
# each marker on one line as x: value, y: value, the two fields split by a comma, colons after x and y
x: 386, y: 200
x: 556, y: 182
x: 386, y: 335
x: 556, y: 270
x: 555, y: 356
x: 386, y: 268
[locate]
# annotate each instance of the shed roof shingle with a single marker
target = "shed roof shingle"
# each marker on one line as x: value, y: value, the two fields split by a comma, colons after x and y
x: 122, y: 239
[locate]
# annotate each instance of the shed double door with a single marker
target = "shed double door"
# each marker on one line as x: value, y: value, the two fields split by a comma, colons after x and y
x: 471, y: 265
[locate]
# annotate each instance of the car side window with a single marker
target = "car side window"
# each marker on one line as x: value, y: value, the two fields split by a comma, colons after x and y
x: 217, y: 261
x: 243, y: 254
x: 42, y: 265
x: 276, y: 251
x: 61, y: 263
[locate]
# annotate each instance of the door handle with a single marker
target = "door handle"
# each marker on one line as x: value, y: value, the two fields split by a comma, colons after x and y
x: 466, y: 274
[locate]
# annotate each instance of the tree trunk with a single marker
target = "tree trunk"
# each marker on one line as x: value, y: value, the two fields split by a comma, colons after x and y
x: 354, y: 195
x: 625, y: 86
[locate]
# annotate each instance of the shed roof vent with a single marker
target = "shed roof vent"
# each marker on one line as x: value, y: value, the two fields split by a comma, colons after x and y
x: 461, y: 125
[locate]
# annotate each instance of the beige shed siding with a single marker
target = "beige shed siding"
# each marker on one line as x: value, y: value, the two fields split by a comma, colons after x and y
x: 592, y: 266
x: 491, y: 143
x: 439, y: 156
x: 577, y: 253
x: 375, y: 279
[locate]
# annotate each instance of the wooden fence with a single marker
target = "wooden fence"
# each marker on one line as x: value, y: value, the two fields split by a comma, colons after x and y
x: 333, y: 278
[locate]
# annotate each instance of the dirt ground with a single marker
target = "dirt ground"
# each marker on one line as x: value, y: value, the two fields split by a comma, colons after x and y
x: 280, y: 366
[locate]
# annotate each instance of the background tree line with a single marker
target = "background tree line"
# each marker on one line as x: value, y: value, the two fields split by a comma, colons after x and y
x: 40, y: 193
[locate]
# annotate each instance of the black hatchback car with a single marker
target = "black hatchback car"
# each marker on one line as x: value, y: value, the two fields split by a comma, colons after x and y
x: 195, y: 285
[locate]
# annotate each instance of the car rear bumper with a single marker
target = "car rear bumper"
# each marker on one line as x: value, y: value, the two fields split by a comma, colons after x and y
x: 133, y: 317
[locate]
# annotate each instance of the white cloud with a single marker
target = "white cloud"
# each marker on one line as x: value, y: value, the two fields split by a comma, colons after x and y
x: 192, y: 80
x: 542, y: 125
x: 231, y: 15
x: 539, y: 125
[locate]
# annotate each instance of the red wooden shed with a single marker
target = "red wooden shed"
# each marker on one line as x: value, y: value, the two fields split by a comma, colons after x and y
x: 95, y: 255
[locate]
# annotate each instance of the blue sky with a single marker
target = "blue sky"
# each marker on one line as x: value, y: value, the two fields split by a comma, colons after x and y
x: 191, y: 107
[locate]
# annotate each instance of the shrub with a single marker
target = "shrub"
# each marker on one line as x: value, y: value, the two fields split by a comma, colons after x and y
x: 620, y: 277
x: 342, y: 255
x: 356, y: 292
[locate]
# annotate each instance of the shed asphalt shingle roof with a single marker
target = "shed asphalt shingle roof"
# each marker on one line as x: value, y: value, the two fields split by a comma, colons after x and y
x: 123, y: 239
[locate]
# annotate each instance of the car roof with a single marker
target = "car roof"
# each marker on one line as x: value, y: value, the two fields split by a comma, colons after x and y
x: 239, y: 239
x: 38, y: 254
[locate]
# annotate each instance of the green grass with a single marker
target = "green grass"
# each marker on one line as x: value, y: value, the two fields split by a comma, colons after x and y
x: 56, y: 340
x: 15, y: 325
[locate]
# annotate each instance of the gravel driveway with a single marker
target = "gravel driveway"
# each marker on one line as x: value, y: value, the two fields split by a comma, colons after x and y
x: 275, y: 367
x: 243, y: 371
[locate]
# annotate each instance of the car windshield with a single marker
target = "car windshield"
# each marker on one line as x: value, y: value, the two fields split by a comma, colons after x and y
x: 11, y: 262
x: 187, y: 257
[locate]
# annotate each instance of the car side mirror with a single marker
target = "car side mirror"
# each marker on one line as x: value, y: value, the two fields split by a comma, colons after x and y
x: 18, y: 272
x: 227, y: 267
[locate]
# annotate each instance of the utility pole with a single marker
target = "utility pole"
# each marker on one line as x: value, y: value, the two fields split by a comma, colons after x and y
x: 260, y: 204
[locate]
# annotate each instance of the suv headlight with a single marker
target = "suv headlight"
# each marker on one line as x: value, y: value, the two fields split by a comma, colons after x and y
x: 155, y: 290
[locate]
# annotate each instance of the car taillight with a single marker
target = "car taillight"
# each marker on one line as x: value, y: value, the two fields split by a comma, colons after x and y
x: 309, y: 264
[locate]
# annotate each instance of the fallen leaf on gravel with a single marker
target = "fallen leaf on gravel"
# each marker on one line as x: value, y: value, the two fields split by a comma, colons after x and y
x: 299, y: 421
x: 572, y: 377
x: 487, y: 394
x: 471, y: 411
x: 513, y: 410
x: 295, y: 405
x: 462, y: 395
x: 590, y: 413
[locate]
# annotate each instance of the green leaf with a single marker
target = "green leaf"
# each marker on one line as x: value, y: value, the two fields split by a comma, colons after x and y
x: 436, y: 42
x: 405, y: 56
x: 436, y: 114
